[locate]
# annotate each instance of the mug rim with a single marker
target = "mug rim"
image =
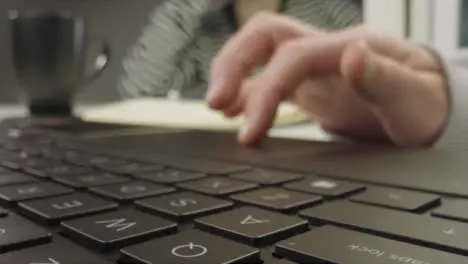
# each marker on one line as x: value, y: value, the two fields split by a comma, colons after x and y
x: 34, y: 14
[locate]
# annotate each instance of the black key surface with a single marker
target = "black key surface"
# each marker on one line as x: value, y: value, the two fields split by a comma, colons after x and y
x: 252, y: 226
x: 57, y: 252
x: 88, y: 160
x: 397, y: 199
x: 130, y: 168
x: 206, y: 166
x: 20, y: 162
x: 278, y: 199
x: 183, y: 206
x: 91, y: 180
x: 17, y: 233
x: 407, y: 227
x: 325, y: 187
x: 51, y: 210
x: 117, y: 229
x: 330, y: 244
x: 169, y: 176
x: 32, y: 191
x: 11, y: 178
x: 267, y: 177
x: 454, y: 210
x: 218, y: 186
x: 190, y: 247
x: 132, y: 190
x: 57, y: 170
x: 274, y: 260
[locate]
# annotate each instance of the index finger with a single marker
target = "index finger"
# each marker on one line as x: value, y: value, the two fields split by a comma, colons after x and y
x: 252, y: 46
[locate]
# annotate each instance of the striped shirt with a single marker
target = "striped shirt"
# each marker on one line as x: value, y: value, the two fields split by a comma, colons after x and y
x: 173, y: 55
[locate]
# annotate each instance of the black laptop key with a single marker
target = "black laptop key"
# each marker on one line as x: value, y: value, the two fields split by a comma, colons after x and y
x: 117, y: 229
x: 130, y: 168
x: 17, y: 233
x: 407, y: 227
x: 274, y: 260
x: 55, y: 209
x: 57, y: 170
x: 183, y: 206
x: 190, y: 247
x: 218, y: 186
x: 267, y: 177
x: 91, y: 180
x: 454, y: 210
x: 32, y: 191
x: 207, y: 166
x: 57, y: 252
x: 330, y: 244
x: 11, y: 178
x: 19, y: 162
x: 252, y: 226
x: 278, y: 199
x: 325, y: 187
x: 169, y: 176
x: 132, y: 190
x: 397, y: 199
x: 87, y: 160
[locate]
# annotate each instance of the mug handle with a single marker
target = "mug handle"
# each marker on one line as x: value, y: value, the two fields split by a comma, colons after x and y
x: 100, y: 63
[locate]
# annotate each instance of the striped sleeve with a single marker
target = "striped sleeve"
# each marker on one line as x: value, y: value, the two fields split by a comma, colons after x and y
x: 343, y: 13
x: 155, y: 64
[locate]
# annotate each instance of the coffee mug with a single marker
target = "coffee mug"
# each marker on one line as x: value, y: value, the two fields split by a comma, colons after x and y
x: 49, y: 55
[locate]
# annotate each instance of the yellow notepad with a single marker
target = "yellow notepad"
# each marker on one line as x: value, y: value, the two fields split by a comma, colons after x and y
x: 178, y: 114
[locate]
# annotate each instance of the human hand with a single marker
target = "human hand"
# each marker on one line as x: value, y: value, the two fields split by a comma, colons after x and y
x: 356, y: 81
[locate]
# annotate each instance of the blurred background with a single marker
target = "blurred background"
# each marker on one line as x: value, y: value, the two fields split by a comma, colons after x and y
x: 435, y: 22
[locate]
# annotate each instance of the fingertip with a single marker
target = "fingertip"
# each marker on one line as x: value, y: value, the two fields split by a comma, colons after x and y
x: 353, y: 63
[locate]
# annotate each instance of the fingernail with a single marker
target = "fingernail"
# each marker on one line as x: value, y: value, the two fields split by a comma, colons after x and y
x: 366, y: 88
x: 242, y: 135
x: 210, y: 95
x: 369, y: 68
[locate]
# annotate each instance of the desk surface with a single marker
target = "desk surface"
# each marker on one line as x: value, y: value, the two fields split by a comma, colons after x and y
x: 308, y: 131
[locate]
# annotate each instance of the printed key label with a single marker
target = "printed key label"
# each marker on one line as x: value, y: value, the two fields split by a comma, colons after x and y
x: 382, y: 254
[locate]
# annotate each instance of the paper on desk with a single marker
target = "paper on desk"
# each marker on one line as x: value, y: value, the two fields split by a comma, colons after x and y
x: 178, y: 114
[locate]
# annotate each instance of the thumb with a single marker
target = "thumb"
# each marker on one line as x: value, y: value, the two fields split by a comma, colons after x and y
x: 411, y: 105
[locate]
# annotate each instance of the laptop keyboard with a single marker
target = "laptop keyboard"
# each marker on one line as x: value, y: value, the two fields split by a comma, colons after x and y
x: 70, y: 204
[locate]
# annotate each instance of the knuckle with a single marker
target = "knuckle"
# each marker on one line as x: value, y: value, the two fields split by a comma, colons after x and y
x: 293, y: 47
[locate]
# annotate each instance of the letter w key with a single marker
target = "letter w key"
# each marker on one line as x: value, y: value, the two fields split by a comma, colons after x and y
x: 120, y: 224
x: 117, y: 229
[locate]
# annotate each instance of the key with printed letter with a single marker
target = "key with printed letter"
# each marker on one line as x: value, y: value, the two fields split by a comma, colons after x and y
x: 51, y: 210
x: 183, y: 206
x: 267, y: 177
x: 325, y: 187
x: 397, y: 199
x: 32, y: 191
x: 91, y: 180
x: 217, y: 186
x: 130, y: 168
x: 60, y: 251
x: 278, y: 199
x: 117, y: 229
x: 11, y: 178
x: 190, y: 247
x: 335, y: 245
x: 252, y: 226
x: 17, y: 233
x: 131, y: 190
x: 430, y: 232
x: 169, y: 176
